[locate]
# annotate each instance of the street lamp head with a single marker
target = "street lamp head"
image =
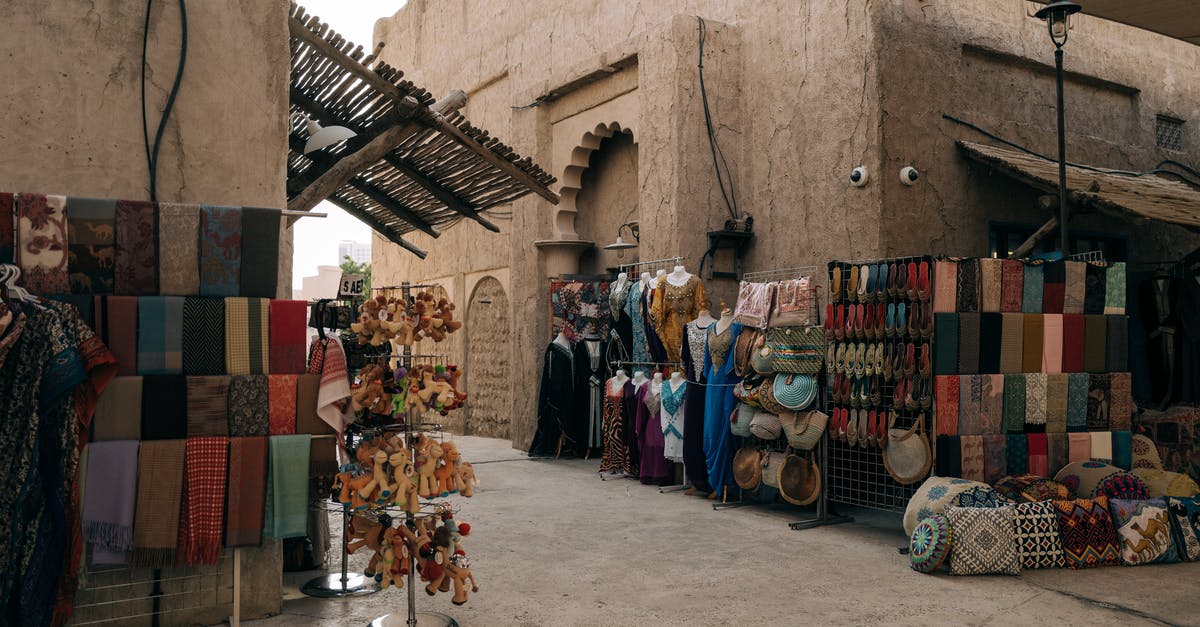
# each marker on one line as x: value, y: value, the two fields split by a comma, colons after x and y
x: 1058, y: 19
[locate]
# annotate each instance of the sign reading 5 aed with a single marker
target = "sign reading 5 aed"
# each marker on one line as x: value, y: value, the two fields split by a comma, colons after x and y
x: 351, y: 286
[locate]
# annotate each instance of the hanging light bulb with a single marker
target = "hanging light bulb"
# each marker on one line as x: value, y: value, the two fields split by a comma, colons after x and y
x: 325, y: 136
x: 621, y: 245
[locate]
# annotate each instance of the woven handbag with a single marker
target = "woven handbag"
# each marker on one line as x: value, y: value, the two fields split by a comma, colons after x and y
x: 794, y: 391
x: 747, y: 390
x: 772, y: 462
x: 753, y: 304
x: 803, y: 430
x: 794, y: 304
x: 800, y: 350
x: 747, y: 468
x: 739, y: 420
x: 799, y: 480
x: 765, y: 425
x: 766, y: 396
x: 742, y: 350
x: 907, y: 457
x: 760, y: 356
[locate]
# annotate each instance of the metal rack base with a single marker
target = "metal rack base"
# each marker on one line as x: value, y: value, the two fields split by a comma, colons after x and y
x: 332, y: 586
x: 423, y: 619
x: 820, y: 521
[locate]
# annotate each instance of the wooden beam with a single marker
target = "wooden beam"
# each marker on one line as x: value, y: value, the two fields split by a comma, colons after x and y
x: 391, y: 204
x: 443, y: 195
x: 349, y: 166
x: 1027, y: 246
x: 504, y: 165
x: 377, y: 226
x: 298, y: 29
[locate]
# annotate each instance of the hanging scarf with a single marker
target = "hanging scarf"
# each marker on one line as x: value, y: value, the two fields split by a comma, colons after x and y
x: 1121, y: 407
x: 288, y: 336
x: 179, y: 249
x: 1057, y: 451
x: 970, y: 399
x: 1114, y: 289
x: 116, y: 323
x: 1074, y: 287
x: 1095, y: 350
x: 42, y: 243
x: 286, y: 512
x: 7, y: 232
x: 1054, y: 288
x: 1014, y: 403
x: 260, y: 252
x: 1016, y: 448
x: 308, y: 388
x: 1093, y: 291
x: 108, y: 505
x: 160, y: 490
x: 945, y: 288
x: 335, y: 387
x: 1012, y: 286
x: 1073, y: 343
x: 1057, y: 399
x: 967, y: 295
x: 247, y: 336
x: 164, y: 407
x: 1116, y: 343
x: 972, y: 457
x: 220, y: 250
x: 119, y: 411
x: 207, y: 406
x: 945, y: 343
x: 1035, y: 400
x: 246, y: 491
x: 282, y: 396
x: 968, y: 342
x: 249, y: 405
x: 1012, y: 344
x: 673, y: 400
x: 1032, y: 286
x: 160, y: 335
x: 991, y: 274
x: 995, y: 458
x: 137, y: 248
x: 1039, y: 455
x: 92, y: 245
x: 1077, y: 401
x: 203, y: 336
x: 203, y: 501
x: 946, y: 392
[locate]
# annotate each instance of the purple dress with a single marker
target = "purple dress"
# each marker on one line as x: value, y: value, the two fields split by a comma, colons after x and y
x: 654, y: 467
x: 629, y: 413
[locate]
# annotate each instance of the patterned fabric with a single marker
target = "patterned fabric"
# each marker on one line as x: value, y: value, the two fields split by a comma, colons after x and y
x: 995, y: 457
x: 1122, y: 485
x: 42, y: 243
x: 1039, y: 460
x: 1032, y: 343
x: 281, y: 394
x: 288, y: 336
x: 160, y: 335
x: 179, y: 249
x: 984, y: 541
x: 1048, y: 490
x: 633, y: 307
x: 137, y: 248
x: 991, y: 403
x: 945, y: 273
x: 7, y: 232
x: 1166, y: 483
x: 1093, y: 291
x: 260, y: 253
x: 1077, y: 401
x: 946, y: 395
x: 970, y: 395
x: 1120, y: 401
x: 930, y: 544
x: 1083, y: 477
x: 1099, y: 388
x: 1145, y: 454
x: 1185, y: 523
x: 160, y: 489
x: 90, y: 233
x: 1039, y: 544
x: 1012, y: 285
x: 1017, y: 450
x: 967, y: 294
x: 200, y: 521
x: 1031, y: 289
x: 1057, y: 392
x: 1114, y: 289
x: 981, y: 496
x: 968, y: 343
x: 990, y: 284
x: 1012, y: 343
x: 933, y: 497
x: 575, y: 307
x: 1144, y: 530
x: 616, y: 452
x: 1014, y: 403
x: 247, y: 333
x: 203, y: 336
x: 249, y: 405
x: 972, y: 457
x: 207, y: 406
x: 1088, y: 536
x: 1035, y: 399
x: 1074, y: 287
x: 220, y: 250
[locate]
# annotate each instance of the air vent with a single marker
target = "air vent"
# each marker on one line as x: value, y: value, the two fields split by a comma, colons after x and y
x: 1168, y: 132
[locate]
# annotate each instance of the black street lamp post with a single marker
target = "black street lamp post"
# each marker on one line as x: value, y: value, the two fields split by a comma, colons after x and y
x: 1058, y: 21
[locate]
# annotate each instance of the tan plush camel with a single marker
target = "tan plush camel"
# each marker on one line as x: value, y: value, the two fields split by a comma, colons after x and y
x: 405, y: 493
x: 428, y: 454
x: 447, y: 471
x: 460, y: 572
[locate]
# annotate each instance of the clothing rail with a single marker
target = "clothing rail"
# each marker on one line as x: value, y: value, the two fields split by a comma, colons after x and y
x: 411, y: 286
x: 656, y: 262
x: 765, y: 276
x: 1091, y: 255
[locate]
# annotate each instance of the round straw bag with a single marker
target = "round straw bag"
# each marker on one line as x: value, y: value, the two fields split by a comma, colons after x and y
x: 803, y: 429
x: 794, y: 391
x: 771, y: 463
x: 765, y: 425
x: 907, y: 457
x: 766, y: 396
x: 747, y: 468
x: 739, y: 420
x: 799, y: 480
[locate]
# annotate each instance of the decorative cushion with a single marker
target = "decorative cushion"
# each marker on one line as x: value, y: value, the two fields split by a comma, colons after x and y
x: 981, y: 496
x: 1038, y: 543
x: 933, y: 497
x: 1145, y: 454
x: 1185, y: 522
x: 1083, y: 477
x: 1088, y: 536
x: 1166, y: 483
x: 1122, y: 485
x: 930, y: 544
x: 984, y: 541
x: 1144, y: 528
x: 1032, y: 488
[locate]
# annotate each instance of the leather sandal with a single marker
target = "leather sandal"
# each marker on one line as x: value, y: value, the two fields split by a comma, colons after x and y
x: 927, y: 321
x: 914, y: 320
x: 872, y: 427
x: 839, y: 324
x: 869, y: 287
x: 901, y: 319
x: 852, y: 286
x: 860, y: 359
x: 910, y: 359
x: 839, y: 357
x: 869, y: 360
x: 890, y: 286
x: 898, y: 392
x: 869, y: 322
x: 835, y: 286
x: 880, y: 320
x: 877, y: 390
x: 925, y: 394
x: 860, y: 323
x: 923, y: 291
x: 839, y: 422
x: 889, y: 327
x: 886, y: 369
x: 881, y: 283
x: 863, y: 274
x: 926, y: 366
x: 911, y: 393
x: 830, y: 355
x: 901, y: 280
x: 879, y: 349
x: 910, y: 286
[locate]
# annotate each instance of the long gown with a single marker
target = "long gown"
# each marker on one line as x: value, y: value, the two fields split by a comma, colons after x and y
x: 673, y: 306
x: 718, y: 405
x: 620, y: 335
x: 658, y: 352
x: 637, y: 324
x: 671, y: 417
x: 559, y: 403
x: 694, y: 352
x: 654, y: 468
x: 592, y: 363
x: 616, y: 454
x: 629, y: 409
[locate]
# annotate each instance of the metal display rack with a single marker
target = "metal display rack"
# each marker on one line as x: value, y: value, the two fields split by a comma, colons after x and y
x: 855, y: 475
x: 121, y: 594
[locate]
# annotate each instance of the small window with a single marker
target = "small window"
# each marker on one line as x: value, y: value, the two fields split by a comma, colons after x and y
x: 1168, y: 132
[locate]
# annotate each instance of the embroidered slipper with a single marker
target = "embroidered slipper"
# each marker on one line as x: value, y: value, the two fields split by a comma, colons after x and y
x: 926, y: 367
x: 877, y: 390
x: 910, y: 285
x: 910, y: 360
x: 910, y: 386
x: 889, y: 328
x: 830, y: 354
x: 925, y: 398
x: 835, y: 286
x: 852, y: 286
x: 869, y: 361
x: 860, y: 359
x: 886, y: 369
x: 898, y: 362
x: 890, y: 286
x: 901, y: 319
x: 872, y: 419
x: 923, y: 291
x: 880, y: 320
x: 839, y: 358
x: 898, y: 392
x: 926, y: 321
x: 901, y: 280
x: 863, y: 274
x: 881, y: 283
x: 914, y: 320
x: 839, y: 324
x: 838, y: 430
x: 879, y: 349
x: 860, y: 314
x: 869, y: 322
x: 850, y: 313
x: 869, y: 287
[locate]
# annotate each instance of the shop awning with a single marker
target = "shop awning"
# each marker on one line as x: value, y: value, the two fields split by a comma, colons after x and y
x: 410, y: 168
x: 1134, y: 198
x: 1174, y: 18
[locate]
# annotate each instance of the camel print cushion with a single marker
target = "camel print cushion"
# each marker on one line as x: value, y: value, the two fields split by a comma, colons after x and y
x: 1144, y: 530
x: 1185, y: 522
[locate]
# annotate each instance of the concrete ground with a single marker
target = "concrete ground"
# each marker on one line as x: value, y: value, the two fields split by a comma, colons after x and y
x: 552, y: 544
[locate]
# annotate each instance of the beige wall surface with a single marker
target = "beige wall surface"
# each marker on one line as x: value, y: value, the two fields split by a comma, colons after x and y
x: 70, y: 123
x: 801, y: 93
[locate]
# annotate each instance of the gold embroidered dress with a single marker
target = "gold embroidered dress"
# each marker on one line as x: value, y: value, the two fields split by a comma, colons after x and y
x: 673, y: 307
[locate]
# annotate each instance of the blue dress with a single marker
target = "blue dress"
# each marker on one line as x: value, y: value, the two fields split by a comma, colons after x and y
x: 718, y: 405
x: 633, y: 307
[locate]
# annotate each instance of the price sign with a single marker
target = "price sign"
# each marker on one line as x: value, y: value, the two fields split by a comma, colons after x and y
x: 351, y: 285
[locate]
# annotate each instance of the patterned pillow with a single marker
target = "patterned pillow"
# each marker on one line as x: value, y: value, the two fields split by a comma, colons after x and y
x: 1122, y: 485
x: 984, y: 541
x: 930, y: 544
x: 1032, y: 488
x: 1145, y: 455
x: 1088, y: 536
x: 981, y: 496
x: 1083, y: 477
x: 933, y: 497
x: 1038, y: 542
x: 1185, y: 522
x: 1144, y: 528
x: 1167, y: 483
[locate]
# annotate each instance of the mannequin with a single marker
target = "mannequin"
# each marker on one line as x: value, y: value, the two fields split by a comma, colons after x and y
x: 678, y: 299
x: 619, y: 292
x: 618, y: 380
x: 693, y: 354
x: 704, y: 318
x: 726, y: 320
x: 639, y: 379
x: 719, y: 402
x: 561, y: 340
x: 616, y: 453
x: 654, y: 468
x: 620, y: 334
x: 638, y: 349
x: 672, y: 416
x: 679, y: 275
x: 657, y: 278
x: 561, y: 398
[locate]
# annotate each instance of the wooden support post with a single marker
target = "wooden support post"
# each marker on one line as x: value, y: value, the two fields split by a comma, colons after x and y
x: 1027, y: 246
x: 350, y: 165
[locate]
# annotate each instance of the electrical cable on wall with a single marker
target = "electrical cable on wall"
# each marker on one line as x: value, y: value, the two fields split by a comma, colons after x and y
x: 152, y: 152
x: 729, y: 196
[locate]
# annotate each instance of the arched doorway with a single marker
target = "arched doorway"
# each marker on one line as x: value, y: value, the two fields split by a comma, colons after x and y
x: 489, y: 372
x: 607, y: 198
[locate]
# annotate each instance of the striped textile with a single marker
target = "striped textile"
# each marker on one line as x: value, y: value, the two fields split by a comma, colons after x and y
x: 247, y: 335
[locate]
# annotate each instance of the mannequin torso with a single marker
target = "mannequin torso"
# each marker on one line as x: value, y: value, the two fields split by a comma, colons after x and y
x: 617, y: 382
x: 679, y: 276
x: 725, y: 322
x: 639, y: 379
x: 704, y: 319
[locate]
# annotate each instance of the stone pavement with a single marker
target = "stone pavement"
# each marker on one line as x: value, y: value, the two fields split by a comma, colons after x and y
x: 552, y: 544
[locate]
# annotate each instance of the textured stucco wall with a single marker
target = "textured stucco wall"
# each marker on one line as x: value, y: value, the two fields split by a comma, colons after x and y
x: 70, y: 124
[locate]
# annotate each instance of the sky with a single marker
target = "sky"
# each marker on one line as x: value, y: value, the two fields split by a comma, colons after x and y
x: 317, y: 238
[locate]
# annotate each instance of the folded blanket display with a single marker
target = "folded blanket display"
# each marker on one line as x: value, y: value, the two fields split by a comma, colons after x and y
x: 108, y: 505
x: 160, y: 335
x: 288, y: 335
x: 220, y: 250
x: 259, y: 271
x: 203, y: 501
x: 286, y: 512
x: 247, y: 336
x: 42, y: 243
x: 119, y: 411
x: 137, y: 248
x: 159, y: 495
x: 246, y: 491
x: 92, y: 245
x: 203, y: 336
x: 179, y: 249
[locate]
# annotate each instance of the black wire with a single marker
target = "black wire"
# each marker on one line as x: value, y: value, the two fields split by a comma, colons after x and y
x: 715, y: 147
x: 1156, y: 170
x: 152, y: 154
x: 1183, y: 166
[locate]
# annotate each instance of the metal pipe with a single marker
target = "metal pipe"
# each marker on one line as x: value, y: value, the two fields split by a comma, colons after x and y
x: 1063, y: 210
